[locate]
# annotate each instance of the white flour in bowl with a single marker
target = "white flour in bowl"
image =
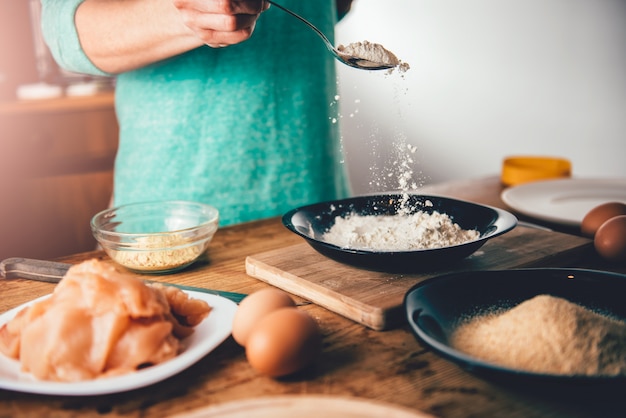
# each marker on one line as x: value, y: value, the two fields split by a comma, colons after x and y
x: 375, y: 53
x: 417, y: 231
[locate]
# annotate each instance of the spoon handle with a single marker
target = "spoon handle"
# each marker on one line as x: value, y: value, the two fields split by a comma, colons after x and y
x: 306, y: 22
x: 53, y: 272
x: 40, y: 270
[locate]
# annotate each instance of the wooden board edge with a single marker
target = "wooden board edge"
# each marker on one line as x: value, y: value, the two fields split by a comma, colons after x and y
x: 372, y: 317
x: 561, y: 258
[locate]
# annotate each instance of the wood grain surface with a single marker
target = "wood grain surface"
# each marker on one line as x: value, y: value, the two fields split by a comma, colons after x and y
x: 375, y: 299
x: 356, y: 361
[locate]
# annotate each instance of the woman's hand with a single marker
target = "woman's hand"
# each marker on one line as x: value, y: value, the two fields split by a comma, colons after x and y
x: 124, y: 35
x: 220, y: 23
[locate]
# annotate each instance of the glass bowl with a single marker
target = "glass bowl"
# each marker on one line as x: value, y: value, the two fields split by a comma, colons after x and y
x: 156, y: 237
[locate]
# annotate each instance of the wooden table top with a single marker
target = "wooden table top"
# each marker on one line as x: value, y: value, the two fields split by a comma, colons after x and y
x: 389, y: 366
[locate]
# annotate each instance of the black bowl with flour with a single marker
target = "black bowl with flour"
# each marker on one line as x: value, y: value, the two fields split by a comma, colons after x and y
x: 313, y: 221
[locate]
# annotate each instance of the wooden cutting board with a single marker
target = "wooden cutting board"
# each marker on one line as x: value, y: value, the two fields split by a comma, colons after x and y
x: 375, y: 299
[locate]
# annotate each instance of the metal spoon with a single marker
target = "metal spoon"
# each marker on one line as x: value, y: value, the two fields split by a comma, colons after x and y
x: 355, y: 62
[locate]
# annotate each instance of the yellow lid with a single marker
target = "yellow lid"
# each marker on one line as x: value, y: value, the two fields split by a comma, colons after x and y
x: 518, y: 170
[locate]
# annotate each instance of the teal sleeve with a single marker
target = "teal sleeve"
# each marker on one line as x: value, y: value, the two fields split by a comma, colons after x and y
x: 59, y: 31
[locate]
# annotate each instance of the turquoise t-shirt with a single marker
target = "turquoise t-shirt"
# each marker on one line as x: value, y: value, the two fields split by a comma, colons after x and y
x: 250, y: 129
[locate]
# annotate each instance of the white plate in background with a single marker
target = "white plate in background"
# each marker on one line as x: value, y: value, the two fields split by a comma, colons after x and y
x: 564, y: 201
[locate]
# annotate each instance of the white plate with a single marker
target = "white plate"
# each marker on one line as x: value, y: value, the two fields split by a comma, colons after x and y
x: 304, y: 406
x: 210, y: 333
x: 564, y: 201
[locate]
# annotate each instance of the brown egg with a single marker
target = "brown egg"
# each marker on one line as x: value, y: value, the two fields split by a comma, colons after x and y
x: 600, y: 214
x: 610, y: 239
x: 254, y: 307
x: 283, y: 342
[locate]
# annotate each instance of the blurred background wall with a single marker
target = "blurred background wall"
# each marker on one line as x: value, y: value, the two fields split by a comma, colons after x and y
x: 488, y: 78
x: 17, y: 56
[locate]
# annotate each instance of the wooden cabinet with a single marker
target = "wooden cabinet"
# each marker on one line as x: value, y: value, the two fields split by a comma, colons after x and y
x: 56, y: 172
